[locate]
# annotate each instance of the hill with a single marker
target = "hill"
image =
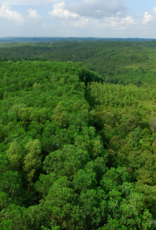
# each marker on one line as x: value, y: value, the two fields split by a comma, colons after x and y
x: 120, y: 62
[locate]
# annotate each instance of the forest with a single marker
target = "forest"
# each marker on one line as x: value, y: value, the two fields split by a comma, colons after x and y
x: 78, y: 135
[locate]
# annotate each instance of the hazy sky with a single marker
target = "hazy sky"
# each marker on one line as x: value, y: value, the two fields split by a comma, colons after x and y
x: 79, y: 18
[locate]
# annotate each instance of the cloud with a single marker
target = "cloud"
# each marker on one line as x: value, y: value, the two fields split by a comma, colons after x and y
x: 44, y: 26
x: 98, y: 8
x: 80, y: 23
x: 29, y: 2
x: 138, y: 14
x: 73, y: 19
x: 34, y: 15
x: 115, y: 23
x: 7, y: 13
x: 154, y: 10
x: 147, y: 18
x: 59, y: 11
x: 118, y: 22
x: 70, y: 19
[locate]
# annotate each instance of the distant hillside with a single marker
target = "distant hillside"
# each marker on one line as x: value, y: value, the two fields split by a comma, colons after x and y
x: 61, y: 39
x: 120, y: 62
x: 46, y: 39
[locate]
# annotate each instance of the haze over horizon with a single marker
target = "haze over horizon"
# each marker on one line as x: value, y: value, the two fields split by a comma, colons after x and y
x: 86, y: 18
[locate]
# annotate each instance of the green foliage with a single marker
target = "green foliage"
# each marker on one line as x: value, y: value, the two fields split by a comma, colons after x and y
x: 14, y: 154
x: 116, y: 61
x: 76, y: 151
x: 32, y: 160
x: 66, y: 162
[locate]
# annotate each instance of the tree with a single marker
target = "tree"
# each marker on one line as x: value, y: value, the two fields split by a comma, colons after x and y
x: 15, y: 155
x: 60, y: 115
x: 32, y: 160
x: 153, y: 124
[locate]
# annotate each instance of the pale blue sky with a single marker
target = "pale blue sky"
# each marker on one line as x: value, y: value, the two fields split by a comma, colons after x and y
x: 80, y: 18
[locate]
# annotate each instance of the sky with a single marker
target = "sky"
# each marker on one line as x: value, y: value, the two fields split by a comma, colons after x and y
x: 78, y: 18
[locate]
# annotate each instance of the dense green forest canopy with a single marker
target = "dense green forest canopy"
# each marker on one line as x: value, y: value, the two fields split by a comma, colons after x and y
x: 120, y: 62
x: 78, y: 147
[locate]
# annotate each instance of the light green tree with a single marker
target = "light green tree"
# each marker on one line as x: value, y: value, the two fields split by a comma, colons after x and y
x: 32, y: 160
